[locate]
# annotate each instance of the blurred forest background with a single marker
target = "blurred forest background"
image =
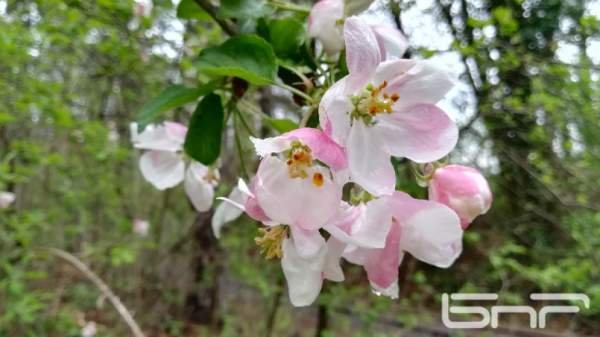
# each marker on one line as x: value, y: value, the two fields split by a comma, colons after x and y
x: 73, y: 75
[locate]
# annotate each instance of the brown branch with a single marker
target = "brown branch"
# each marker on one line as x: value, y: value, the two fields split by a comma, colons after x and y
x: 103, y: 287
x: 226, y: 25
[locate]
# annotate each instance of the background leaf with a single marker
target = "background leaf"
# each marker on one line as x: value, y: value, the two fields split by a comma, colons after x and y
x: 170, y: 98
x: 286, y: 36
x: 189, y: 9
x: 282, y: 125
x: 243, y: 9
x: 249, y: 57
x: 203, y: 139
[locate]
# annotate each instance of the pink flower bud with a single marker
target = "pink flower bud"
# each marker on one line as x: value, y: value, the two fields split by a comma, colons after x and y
x: 463, y: 189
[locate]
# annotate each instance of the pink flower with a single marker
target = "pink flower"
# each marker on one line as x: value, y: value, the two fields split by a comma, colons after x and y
x: 6, y: 199
x: 325, y: 24
x: 141, y: 227
x: 385, y: 108
x: 142, y: 7
x: 293, y: 188
x: 163, y: 165
x: 427, y: 230
x: 463, y: 189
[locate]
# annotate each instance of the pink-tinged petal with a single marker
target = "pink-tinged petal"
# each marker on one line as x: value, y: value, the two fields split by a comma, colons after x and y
x: 6, y: 199
x: 251, y: 206
x: 422, y: 133
x: 162, y: 169
x: 334, y: 110
x: 227, y: 212
x: 304, y: 276
x: 370, y: 165
x: 332, y: 269
x: 199, y: 188
x: 431, y: 231
x: 176, y: 131
x: 424, y: 82
x: 392, y: 72
x: 323, y: 25
x: 295, y: 201
x: 362, y: 52
x: 463, y: 189
x: 392, y: 43
x: 363, y: 225
x: 156, y: 137
x: 307, y: 242
x: 382, y: 264
x: 322, y: 146
x: 267, y: 146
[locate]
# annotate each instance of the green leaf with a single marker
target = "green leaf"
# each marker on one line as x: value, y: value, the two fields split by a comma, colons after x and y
x: 281, y: 125
x: 246, y: 56
x: 203, y: 139
x: 189, y: 9
x: 172, y: 97
x: 242, y: 9
x: 286, y: 36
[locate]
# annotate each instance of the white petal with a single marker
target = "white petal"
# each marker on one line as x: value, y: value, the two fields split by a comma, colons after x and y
x: 431, y: 231
x: 370, y: 165
x: 227, y: 212
x: 425, y: 82
x: 308, y: 242
x: 198, y: 188
x: 304, y: 276
x: 267, y: 146
x: 322, y: 24
x: 332, y: 269
x: 162, y: 169
x: 295, y: 201
x: 157, y: 137
x: 392, y: 43
x: 362, y: 52
x: 6, y: 199
x: 422, y: 133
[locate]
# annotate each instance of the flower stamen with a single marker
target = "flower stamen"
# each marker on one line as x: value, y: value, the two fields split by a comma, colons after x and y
x: 270, y: 241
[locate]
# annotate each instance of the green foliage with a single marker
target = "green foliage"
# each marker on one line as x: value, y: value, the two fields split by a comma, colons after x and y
x: 286, y: 36
x: 243, y: 9
x: 203, y: 139
x: 170, y: 98
x: 282, y: 125
x: 248, y: 57
x: 189, y: 9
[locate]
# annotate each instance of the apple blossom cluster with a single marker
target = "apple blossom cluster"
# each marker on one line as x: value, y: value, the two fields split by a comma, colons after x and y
x: 328, y: 194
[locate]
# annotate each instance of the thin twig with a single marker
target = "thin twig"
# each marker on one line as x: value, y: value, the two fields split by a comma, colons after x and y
x: 103, y: 287
x: 227, y: 26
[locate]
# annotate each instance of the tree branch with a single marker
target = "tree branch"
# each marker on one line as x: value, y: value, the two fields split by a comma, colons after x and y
x: 226, y: 25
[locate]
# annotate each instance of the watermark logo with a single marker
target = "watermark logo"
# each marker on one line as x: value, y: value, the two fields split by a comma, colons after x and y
x: 537, y: 319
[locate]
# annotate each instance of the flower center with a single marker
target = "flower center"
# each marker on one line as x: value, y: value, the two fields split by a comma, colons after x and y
x: 371, y: 102
x: 270, y: 240
x: 299, y: 159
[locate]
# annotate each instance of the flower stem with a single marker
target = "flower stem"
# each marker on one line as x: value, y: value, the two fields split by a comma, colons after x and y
x: 289, y: 6
x: 296, y: 91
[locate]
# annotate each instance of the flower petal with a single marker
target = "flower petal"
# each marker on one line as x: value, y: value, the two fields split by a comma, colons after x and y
x: 332, y: 269
x: 334, y: 111
x: 362, y: 52
x: 322, y: 24
x: 227, y: 212
x: 164, y: 137
x: 363, y: 225
x: 162, y: 169
x: 304, y: 276
x: 431, y: 231
x: 199, y: 190
x: 392, y: 43
x: 424, y: 82
x: 370, y: 165
x: 6, y: 199
x: 295, y: 201
x: 382, y: 264
x: 307, y: 242
x: 422, y: 133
